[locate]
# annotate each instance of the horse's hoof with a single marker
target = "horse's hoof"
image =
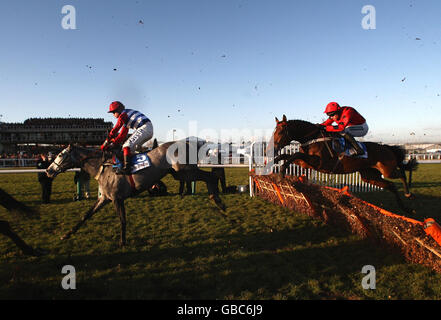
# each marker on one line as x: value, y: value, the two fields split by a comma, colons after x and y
x: 221, y: 206
x: 409, y: 196
x: 218, y: 202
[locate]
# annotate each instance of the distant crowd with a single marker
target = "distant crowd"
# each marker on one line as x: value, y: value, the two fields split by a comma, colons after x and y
x: 19, y: 155
x: 81, y: 122
x: 30, y: 152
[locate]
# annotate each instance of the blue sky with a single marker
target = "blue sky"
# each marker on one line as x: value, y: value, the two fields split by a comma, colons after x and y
x: 227, y: 64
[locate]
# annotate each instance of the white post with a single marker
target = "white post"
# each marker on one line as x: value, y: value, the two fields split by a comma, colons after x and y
x: 250, y: 162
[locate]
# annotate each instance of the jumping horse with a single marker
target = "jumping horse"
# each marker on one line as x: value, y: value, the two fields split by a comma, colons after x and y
x: 117, y: 188
x: 316, y: 153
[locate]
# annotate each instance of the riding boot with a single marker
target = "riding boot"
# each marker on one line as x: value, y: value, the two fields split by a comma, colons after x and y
x: 358, y: 150
x: 127, y: 168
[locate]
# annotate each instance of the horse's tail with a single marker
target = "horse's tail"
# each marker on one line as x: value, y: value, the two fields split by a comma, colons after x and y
x: 410, y: 166
x: 11, y: 204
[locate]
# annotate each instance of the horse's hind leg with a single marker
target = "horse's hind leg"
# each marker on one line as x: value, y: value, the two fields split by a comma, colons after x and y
x: 398, y: 173
x: 181, y: 187
x: 211, y: 182
x: 121, y: 210
x: 373, y: 176
x: 402, y: 176
x: 5, y: 229
x: 101, y: 202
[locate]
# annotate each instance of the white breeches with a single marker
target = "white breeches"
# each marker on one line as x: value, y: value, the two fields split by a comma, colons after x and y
x: 139, y: 137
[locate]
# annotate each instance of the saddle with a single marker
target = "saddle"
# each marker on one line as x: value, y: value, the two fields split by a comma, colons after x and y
x: 341, y: 146
x: 115, y: 158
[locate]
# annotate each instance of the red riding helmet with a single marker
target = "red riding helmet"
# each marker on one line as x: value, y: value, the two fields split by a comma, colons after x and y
x: 114, y: 106
x: 332, y: 107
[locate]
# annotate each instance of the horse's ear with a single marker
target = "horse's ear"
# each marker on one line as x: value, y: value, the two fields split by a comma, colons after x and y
x: 284, y: 118
x: 277, y: 120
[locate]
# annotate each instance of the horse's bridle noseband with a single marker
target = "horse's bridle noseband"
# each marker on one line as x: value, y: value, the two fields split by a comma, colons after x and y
x: 74, y: 160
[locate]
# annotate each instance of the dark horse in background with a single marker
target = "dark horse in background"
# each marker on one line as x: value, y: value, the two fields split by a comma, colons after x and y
x: 13, y: 205
x: 117, y: 188
x: 316, y: 153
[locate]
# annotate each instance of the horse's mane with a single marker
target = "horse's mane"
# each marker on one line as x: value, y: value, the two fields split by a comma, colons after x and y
x: 301, y: 128
x: 301, y: 123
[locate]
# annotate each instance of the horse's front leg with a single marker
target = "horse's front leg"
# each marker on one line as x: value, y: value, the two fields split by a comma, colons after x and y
x: 181, y: 187
x: 212, y: 186
x: 101, y: 202
x: 281, y: 157
x: 293, y: 157
x: 121, y: 210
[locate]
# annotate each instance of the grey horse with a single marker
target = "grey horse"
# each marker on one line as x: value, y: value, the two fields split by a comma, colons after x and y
x: 116, y: 188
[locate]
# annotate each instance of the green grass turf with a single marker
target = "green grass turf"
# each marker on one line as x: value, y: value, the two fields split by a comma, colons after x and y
x: 184, y: 249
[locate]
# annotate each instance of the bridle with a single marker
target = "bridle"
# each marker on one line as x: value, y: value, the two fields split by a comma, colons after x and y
x: 322, y: 139
x: 65, y: 153
x: 59, y: 168
x: 309, y: 142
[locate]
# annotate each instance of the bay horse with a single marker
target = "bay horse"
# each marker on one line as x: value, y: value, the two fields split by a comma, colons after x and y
x: 316, y: 153
x: 11, y: 204
x: 116, y: 188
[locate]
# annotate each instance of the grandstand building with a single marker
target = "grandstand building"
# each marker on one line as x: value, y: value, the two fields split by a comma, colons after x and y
x: 52, y: 132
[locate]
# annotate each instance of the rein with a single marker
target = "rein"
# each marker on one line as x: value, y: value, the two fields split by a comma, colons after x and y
x: 316, y: 140
x: 322, y: 139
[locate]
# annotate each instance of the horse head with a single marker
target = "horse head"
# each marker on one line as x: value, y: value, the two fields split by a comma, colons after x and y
x: 66, y: 159
x: 287, y: 131
x: 281, y: 136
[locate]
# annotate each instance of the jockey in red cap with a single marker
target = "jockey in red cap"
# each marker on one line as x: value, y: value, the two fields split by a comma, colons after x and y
x: 128, y: 119
x: 350, y: 124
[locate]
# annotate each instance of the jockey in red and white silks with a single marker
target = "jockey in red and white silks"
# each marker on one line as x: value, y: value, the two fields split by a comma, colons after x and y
x: 128, y: 119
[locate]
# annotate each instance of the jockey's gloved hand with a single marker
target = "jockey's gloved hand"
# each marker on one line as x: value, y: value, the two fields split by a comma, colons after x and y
x: 105, y: 145
x: 112, y: 144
